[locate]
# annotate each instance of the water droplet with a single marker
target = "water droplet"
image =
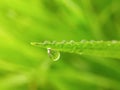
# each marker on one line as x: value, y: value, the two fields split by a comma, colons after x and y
x: 53, y: 54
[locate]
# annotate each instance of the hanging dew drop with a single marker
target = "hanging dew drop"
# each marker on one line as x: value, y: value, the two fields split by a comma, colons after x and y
x: 53, y: 54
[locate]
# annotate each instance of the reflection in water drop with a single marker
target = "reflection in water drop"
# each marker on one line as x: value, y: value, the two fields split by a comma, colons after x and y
x: 53, y: 54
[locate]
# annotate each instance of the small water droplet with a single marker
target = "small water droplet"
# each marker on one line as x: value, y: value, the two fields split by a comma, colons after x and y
x: 53, y: 54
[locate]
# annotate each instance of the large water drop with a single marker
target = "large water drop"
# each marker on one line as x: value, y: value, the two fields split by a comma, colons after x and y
x: 53, y: 54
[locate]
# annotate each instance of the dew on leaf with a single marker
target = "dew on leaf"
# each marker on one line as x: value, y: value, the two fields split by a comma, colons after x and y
x: 53, y: 54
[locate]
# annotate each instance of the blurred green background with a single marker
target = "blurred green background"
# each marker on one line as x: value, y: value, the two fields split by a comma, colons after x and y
x: 25, y: 67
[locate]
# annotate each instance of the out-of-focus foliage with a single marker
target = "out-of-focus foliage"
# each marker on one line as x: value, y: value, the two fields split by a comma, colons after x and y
x: 24, y: 67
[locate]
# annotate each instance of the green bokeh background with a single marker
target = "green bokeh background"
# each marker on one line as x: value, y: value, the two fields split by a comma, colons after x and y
x: 25, y: 67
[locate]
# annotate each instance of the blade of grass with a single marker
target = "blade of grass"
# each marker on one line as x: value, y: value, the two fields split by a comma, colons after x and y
x: 93, y: 48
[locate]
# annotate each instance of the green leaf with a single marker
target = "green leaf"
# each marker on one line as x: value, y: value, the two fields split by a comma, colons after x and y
x: 83, y: 47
